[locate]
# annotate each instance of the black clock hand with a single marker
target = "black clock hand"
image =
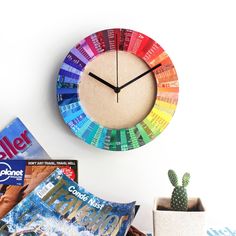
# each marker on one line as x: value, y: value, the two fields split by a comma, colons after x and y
x: 102, y: 81
x: 139, y: 76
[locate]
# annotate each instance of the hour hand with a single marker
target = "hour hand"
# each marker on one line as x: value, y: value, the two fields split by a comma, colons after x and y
x: 102, y: 81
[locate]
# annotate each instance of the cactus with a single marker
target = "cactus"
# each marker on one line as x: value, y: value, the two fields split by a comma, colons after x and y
x: 179, y: 198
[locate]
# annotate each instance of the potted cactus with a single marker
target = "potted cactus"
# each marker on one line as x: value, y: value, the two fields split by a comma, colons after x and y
x: 178, y: 215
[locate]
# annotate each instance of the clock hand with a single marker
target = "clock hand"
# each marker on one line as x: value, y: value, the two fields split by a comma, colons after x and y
x: 102, y: 81
x: 139, y: 76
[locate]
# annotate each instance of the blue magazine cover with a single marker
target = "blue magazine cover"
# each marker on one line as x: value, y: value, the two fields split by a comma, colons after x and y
x: 30, y: 219
x: 16, y: 142
x: 59, y: 206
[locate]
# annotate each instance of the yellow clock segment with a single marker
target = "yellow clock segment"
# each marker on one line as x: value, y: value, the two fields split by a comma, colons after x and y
x: 117, y: 89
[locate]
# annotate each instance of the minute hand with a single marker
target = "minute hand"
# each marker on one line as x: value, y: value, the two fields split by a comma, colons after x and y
x: 139, y: 76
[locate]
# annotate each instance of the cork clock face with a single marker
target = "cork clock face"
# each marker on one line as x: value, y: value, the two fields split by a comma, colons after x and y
x: 117, y: 89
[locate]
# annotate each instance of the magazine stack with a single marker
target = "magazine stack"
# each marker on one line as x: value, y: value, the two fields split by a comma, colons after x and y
x: 41, y: 196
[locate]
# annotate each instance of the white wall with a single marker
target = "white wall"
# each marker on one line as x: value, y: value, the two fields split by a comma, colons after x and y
x: 200, y: 38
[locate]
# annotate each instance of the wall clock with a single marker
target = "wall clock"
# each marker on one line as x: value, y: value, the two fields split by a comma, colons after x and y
x: 117, y: 89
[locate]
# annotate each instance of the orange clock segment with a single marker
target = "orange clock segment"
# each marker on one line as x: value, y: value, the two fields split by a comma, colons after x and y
x: 117, y: 89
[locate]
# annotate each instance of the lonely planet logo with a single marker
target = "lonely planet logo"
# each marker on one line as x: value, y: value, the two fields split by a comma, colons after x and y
x: 9, y: 173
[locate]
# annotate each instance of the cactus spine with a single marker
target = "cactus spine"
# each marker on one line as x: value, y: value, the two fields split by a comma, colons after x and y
x: 179, y: 198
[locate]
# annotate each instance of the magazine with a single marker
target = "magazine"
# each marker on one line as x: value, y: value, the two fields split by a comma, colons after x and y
x: 19, y: 177
x: 81, y: 212
x: 16, y: 142
x: 225, y: 231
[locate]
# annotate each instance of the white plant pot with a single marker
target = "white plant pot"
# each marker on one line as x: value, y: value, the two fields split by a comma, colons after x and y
x: 178, y: 223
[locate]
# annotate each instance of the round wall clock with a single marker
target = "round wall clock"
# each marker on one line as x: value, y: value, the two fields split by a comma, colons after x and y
x: 117, y: 89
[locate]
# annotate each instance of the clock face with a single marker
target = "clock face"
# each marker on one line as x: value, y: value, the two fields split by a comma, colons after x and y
x: 117, y: 110
x: 117, y: 89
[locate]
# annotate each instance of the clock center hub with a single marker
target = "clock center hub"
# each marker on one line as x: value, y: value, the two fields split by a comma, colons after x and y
x: 117, y: 90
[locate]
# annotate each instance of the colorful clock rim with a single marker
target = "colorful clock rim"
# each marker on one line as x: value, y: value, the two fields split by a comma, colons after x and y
x: 84, y: 126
